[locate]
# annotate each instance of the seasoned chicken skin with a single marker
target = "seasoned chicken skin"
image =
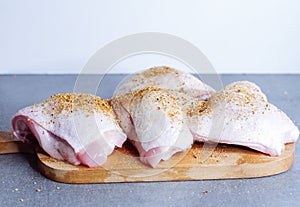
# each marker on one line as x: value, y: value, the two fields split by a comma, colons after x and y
x: 77, y: 128
x: 240, y: 114
x: 154, y: 122
x: 168, y: 78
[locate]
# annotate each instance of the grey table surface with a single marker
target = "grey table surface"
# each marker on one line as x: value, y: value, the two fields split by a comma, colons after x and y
x: 19, y: 178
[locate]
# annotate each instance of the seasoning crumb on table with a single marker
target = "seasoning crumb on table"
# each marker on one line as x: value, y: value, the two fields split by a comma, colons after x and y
x: 204, y: 192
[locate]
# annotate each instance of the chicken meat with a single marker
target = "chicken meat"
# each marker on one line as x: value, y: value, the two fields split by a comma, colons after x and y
x: 154, y: 122
x: 77, y: 128
x: 240, y: 114
x: 169, y: 78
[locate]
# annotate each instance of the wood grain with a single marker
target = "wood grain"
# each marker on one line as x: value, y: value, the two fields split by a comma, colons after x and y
x: 199, y: 163
x: 9, y: 144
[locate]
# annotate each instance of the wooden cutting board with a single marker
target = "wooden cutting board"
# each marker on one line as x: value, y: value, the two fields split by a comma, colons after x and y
x: 201, y: 162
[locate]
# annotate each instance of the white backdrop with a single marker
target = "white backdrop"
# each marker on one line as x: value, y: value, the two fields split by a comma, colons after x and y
x: 59, y: 36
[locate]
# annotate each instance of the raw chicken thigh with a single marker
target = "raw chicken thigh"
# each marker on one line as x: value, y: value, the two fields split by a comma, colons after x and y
x: 162, y: 111
x: 154, y: 122
x: 240, y: 114
x: 77, y: 128
x: 165, y: 77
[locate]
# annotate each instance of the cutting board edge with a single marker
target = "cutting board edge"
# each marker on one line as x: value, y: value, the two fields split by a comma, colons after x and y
x: 89, y: 175
x: 84, y: 177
